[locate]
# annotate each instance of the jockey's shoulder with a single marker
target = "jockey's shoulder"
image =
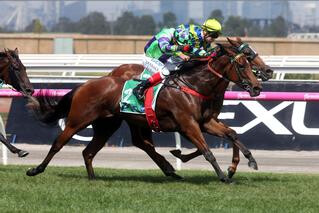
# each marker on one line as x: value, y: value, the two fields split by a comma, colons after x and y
x: 187, y: 26
x: 167, y: 30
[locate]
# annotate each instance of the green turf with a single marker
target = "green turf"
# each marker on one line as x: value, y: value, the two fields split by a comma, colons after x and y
x: 68, y: 190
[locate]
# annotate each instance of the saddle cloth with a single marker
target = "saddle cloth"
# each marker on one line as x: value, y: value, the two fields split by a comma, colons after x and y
x: 129, y: 103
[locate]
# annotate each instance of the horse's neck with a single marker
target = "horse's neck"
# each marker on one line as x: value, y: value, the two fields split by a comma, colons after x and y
x: 1, y: 73
x: 204, y: 81
x: 3, y: 70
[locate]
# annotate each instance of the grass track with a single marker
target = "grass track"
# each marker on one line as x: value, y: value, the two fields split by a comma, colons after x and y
x: 66, y: 189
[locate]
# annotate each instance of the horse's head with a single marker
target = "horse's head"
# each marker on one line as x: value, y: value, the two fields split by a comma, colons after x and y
x: 13, y: 72
x: 238, y: 69
x: 259, y: 67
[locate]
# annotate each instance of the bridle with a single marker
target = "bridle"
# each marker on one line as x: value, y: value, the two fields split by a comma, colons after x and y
x: 238, y: 67
x: 248, y: 51
x: 251, y: 55
x: 234, y: 60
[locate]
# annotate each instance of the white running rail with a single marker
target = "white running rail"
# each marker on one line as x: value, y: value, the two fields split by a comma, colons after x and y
x: 80, y: 67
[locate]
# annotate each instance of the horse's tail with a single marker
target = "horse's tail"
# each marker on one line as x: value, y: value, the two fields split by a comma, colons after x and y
x: 49, y: 109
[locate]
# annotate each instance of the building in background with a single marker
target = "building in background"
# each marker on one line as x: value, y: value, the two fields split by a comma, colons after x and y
x: 17, y: 15
x: 264, y: 12
x: 73, y: 10
x: 228, y: 8
x: 179, y: 8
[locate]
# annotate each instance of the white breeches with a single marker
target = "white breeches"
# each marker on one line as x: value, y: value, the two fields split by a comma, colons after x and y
x: 153, y: 65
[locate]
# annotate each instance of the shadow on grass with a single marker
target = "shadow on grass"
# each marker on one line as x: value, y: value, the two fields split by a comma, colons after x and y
x: 197, y: 179
x: 190, y: 179
x: 5, y: 169
x: 200, y: 178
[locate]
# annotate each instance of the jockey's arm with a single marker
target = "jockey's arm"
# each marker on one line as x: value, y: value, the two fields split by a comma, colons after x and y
x: 165, y: 45
x: 202, y: 52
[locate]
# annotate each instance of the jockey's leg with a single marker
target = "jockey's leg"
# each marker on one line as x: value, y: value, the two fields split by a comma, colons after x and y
x: 139, y: 90
x: 159, y: 70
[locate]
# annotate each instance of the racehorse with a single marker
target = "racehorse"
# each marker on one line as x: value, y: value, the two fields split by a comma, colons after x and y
x: 213, y: 126
x: 97, y: 101
x: 13, y: 72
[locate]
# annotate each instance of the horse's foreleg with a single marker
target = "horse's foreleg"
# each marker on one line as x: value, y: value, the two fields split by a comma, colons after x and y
x: 235, y: 161
x: 103, y: 129
x: 13, y: 149
x: 142, y: 138
x: 192, y: 131
x: 232, y: 135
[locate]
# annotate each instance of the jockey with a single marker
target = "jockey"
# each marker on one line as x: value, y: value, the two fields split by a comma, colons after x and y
x: 167, y: 50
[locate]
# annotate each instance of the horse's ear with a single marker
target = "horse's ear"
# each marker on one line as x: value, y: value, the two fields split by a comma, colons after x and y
x: 16, y: 51
x: 231, y: 41
x: 238, y: 39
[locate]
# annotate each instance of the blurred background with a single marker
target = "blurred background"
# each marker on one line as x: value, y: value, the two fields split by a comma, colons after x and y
x: 277, y: 18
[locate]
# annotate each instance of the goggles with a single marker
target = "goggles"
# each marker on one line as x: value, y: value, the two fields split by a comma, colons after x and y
x: 213, y: 34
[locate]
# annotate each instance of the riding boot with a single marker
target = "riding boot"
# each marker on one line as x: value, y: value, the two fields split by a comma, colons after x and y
x: 139, y: 90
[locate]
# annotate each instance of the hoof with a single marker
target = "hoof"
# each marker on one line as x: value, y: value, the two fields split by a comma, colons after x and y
x: 175, y: 176
x: 33, y: 172
x: 230, y: 172
x: 226, y: 180
x: 253, y: 164
x: 22, y: 153
x: 92, y: 177
x: 176, y: 152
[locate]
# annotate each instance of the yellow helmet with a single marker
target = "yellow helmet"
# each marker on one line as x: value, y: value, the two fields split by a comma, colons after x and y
x: 213, y: 27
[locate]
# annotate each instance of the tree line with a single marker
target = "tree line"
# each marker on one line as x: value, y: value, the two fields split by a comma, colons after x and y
x: 129, y: 24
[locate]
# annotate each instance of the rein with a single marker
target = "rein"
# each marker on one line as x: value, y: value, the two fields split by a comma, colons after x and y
x: 189, y: 88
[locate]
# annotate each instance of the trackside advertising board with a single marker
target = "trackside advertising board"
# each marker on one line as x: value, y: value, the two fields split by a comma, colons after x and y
x: 292, y: 125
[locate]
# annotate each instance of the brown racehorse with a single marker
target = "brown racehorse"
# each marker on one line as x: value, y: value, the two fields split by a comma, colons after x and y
x: 13, y: 72
x: 98, y: 100
x: 213, y: 126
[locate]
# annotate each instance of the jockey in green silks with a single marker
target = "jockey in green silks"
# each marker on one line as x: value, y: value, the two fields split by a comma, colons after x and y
x: 167, y: 50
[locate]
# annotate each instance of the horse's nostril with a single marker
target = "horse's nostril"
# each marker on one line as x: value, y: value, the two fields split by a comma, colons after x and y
x: 257, y: 89
x: 269, y: 72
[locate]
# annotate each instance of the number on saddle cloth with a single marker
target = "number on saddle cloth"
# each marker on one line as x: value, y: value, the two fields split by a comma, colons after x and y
x: 129, y: 103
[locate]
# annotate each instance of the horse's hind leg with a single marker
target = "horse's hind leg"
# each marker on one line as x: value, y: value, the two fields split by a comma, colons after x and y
x: 103, y: 129
x: 142, y: 138
x: 185, y: 158
x: 13, y: 149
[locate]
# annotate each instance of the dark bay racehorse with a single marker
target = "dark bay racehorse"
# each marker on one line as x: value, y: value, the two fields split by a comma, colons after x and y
x: 219, y: 129
x: 97, y: 101
x: 13, y: 72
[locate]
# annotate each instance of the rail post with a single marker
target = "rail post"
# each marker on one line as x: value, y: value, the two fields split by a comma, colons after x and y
x: 4, y: 148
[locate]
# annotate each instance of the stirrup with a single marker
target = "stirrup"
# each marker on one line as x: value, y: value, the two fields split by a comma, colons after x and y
x: 139, y: 92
